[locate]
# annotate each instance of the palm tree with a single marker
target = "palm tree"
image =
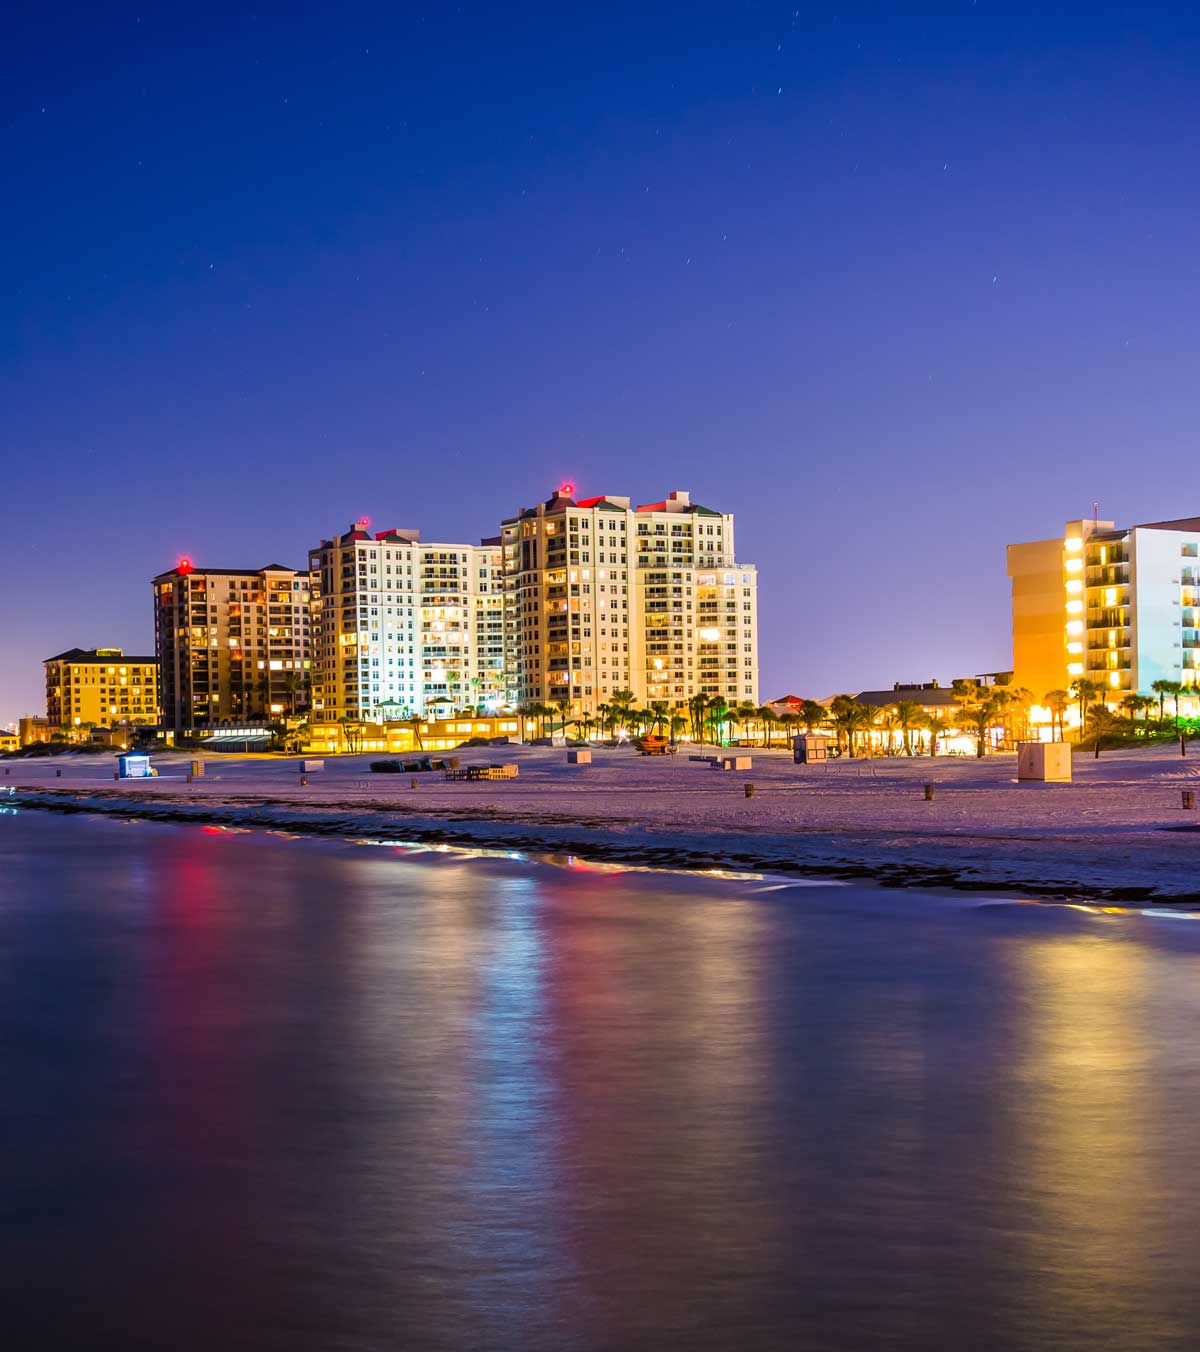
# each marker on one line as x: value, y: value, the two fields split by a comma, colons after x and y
x: 660, y: 710
x: 1056, y: 701
x: 849, y: 717
x: 696, y: 707
x: 604, y: 718
x: 718, y: 713
x: 353, y: 733
x: 979, y: 718
x: 563, y: 706
x: 813, y: 715
x: 1103, y: 722
x: 1162, y: 689
x: 621, y: 706
x: 909, y: 715
x: 414, y: 724
x: 936, y: 725
x: 1084, y: 689
x: 1139, y: 704
x: 747, y: 713
x: 767, y: 720
x: 888, y: 724
x: 1020, y: 702
x: 1176, y: 690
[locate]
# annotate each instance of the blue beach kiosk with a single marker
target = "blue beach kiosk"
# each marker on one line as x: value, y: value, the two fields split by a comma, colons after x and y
x: 135, y: 765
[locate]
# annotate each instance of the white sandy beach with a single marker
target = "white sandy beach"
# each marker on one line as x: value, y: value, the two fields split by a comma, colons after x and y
x: 1112, y: 833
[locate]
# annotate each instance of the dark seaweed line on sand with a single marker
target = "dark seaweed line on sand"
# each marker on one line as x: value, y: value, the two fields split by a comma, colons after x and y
x: 506, y: 835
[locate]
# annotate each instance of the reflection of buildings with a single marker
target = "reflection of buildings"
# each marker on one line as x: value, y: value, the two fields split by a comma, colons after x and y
x: 1092, y: 1140
x: 1117, y: 606
x: 100, y: 687
x: 233, y: 645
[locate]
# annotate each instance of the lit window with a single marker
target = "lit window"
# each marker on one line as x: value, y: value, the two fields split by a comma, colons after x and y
x: 1074, y: 544
x: 1074, y: 585
x: 1074, y: 565
x: 1074, y: 607
x: 1074, y: 627
x: 1074, y: 668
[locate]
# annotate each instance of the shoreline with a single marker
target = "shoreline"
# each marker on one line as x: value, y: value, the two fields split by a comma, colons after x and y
x: 836, y: 856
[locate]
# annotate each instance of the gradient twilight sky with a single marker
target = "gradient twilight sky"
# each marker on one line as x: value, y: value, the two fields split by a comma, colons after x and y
x: 895, y: 283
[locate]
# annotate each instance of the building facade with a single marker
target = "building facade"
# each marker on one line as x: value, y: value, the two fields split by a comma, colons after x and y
x: 601, y: 596
x: 1118, y: 606
x: 233, y: 645
x: 100, y: 687
x: 402, y: 628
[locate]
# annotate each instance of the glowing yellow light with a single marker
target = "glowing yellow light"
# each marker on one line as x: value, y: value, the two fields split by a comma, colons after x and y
x: 1074, y: 647
x: 710, y: 635
x: 1074, y: 565
x: 1074, y: 544
x: 1110, y: 596
x: 1074, y: 627
x: 1114, y: 678
x: 1074, y: 668
x: 1074, y: 607
x: 658, y: 664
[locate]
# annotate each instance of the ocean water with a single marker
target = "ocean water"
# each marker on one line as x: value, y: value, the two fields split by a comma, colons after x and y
x: 260, y: 1092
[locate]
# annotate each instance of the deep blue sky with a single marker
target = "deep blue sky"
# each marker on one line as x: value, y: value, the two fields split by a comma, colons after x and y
x: 895, y: 283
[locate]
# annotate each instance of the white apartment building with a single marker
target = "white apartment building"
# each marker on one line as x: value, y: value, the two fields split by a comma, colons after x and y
x: 1120, y: 606
x: 602, y: 596
x: 403, y: 628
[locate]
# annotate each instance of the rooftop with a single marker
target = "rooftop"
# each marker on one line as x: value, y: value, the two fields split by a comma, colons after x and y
x: 102, y: 657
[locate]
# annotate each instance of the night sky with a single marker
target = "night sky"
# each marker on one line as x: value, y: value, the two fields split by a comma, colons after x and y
x: 895, y: 283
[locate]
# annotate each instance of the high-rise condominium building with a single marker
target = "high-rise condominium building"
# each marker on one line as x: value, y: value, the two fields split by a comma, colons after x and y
x: 233, y: 644
x: 601, y: 596
x: 402, y: 628
x: 101, y: 686
x: 1120, y: 606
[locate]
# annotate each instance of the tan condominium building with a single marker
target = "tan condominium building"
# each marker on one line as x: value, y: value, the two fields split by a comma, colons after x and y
x: 602, y: 596
x: 233, y: 644
x: 1119, y: 606
x: 102, y: 687
x: 402, y: 628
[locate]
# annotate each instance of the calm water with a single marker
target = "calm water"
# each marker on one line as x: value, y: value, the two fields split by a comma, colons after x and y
x: 273, y: 1093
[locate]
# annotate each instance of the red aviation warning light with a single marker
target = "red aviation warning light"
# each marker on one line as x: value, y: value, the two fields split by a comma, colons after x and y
x: 184, y: 567
x: 567, y: 489
x: 364, y: 521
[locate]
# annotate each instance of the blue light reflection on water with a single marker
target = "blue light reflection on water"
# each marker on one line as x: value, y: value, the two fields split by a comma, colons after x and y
x: 326, y: 1095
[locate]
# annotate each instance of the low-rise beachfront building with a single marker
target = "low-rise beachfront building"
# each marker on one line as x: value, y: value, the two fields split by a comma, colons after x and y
x: 332, y: 737
x: 100, y: 687
x: 232, y: 645
x: 9, y: 740
x: 933, y: 702
x: 1116, y: 606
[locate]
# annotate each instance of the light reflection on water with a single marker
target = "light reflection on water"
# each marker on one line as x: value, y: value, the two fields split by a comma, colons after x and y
x: 280, y: 1093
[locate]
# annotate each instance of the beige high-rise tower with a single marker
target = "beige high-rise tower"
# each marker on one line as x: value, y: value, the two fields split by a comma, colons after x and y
x: 601, y: 596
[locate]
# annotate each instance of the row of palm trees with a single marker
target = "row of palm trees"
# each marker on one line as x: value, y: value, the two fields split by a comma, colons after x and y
x: 703, y: 718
